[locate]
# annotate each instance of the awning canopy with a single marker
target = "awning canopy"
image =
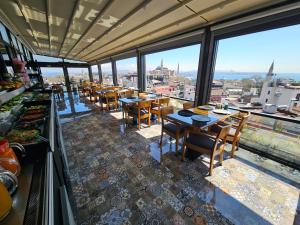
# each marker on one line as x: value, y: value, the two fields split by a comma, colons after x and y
x: 89, y: 30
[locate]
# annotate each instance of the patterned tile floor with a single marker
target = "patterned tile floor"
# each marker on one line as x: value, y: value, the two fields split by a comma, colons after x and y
x: 117, y: 177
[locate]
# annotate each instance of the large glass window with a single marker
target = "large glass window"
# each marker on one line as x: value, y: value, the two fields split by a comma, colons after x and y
x: 255, y: 69
x: 127, y: 72
x: 53, y: 75
x: 95, y: 73
x: 173, y: 72
x: 77, y: 75
x: 42, y: 58
x: 261, y: 72
x: 107, y: 74
x: 4, y: 33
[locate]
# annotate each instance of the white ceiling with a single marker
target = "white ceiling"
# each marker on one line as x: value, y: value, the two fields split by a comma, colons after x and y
x: 93, y: 29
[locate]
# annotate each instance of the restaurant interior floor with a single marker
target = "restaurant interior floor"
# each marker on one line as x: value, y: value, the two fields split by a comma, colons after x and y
x: 117, y: 177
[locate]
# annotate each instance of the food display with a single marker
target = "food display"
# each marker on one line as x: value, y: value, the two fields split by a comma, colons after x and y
x: 41, y: 97
x: 23, y: 137
x: 35, y: 109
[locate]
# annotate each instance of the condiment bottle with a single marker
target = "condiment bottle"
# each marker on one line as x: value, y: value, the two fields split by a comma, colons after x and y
x: 6, y: 202
x: 8, y: 159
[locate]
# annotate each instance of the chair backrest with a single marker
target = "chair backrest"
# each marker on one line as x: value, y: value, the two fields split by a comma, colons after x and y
x: 164, y: 101
x: 188, y: 105
x: 143, y: 94
x: 111, y: 96
x: 223, y: 129
x: 127, y: 93
x: 164, y: 111
x: 145, y: 104
x: 242, y: 117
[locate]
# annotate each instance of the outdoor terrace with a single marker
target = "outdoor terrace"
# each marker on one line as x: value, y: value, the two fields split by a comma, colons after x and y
x: 119, y: 174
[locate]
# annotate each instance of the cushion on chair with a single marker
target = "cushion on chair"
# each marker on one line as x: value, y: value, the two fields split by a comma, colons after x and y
x: 135, y: 111
x: 202, y: 141
x: 154, y: 108
x: 171, y: 127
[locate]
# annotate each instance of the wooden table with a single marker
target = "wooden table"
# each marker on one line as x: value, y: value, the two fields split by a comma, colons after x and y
x: 214, y: 117
x: 130, y: 101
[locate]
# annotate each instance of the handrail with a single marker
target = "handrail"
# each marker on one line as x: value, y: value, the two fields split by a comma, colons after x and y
x: 48, y: 206
x: 52, y: 123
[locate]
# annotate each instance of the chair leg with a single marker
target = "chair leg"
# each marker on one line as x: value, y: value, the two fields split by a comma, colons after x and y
x: 149, y: 121
x: 211, y: 165
x: 161, y: 138
x: 221, y: 156
x: 158, y: 118
x: 177, y: 140
x: 183, y: 153
x: 233, y: 149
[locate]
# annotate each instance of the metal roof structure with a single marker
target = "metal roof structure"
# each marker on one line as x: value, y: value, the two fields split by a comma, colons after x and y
x: 89, y: 30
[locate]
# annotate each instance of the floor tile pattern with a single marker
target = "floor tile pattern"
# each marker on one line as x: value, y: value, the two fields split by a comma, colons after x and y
x: 116, y: 179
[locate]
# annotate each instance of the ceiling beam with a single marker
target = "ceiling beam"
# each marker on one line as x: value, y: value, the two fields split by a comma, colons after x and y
x: 48, y: 22
x: 8, y: 23
x: 218, y: 5
x: 27, y: 20
x: 177, y: 6
x: 131, y: 13
x: 69, y: 25
x: 108, y: 4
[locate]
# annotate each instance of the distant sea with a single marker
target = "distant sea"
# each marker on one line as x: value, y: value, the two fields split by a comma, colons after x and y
x: 242, y: 75
x: 226, y: 75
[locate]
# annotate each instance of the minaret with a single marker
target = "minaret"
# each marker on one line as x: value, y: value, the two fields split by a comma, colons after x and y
x: 270, y: 73
x: 177, y: 73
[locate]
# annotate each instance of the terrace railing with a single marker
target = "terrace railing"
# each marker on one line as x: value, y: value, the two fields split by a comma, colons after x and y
x: 269, y: 135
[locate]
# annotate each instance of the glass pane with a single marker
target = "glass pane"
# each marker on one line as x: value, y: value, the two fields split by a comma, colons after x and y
x: 3, y: 51
x: 53, y: 75
x: 173, y: 72
x: 41, y: 58
x: 3, y: 33
x: 107, y: 74
x: 14, y: 40
x: 127, y: 72
x: 78, y: 75
x: 74, y: 61
x: 274, y: 137
x: 95, y: 73
x: 256, y: 72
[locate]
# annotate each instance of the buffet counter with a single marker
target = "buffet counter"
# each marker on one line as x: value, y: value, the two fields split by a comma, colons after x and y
x: 42, y: 181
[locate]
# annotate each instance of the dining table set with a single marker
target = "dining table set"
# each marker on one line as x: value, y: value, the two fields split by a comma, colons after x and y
x: 204, y: 129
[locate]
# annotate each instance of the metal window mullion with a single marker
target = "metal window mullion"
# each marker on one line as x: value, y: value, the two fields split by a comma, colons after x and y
x: 66, y: 75
x: 114, y: 72
x: 141, y: 71
x: 90, y: 73
x: 100, y: 73
x: 205, y: 68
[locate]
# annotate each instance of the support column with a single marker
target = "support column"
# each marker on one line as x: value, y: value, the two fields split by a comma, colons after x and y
x: 141, y: 71
x: 114, y: 72
x: 3, y: 68
x: 67, y: 79
x: 100, y: 73
x: 90, y: 74
x: 205, y: 68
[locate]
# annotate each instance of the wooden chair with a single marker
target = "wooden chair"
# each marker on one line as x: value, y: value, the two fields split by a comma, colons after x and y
x: 234, y: 134
x: 141, y: 111
x: 205, y: 143
x: 111, y: 99
x: 126, y: 94
x: 143, y: 94
x: 188, y: 105
x: 156, y: 106
x: 170, y: 127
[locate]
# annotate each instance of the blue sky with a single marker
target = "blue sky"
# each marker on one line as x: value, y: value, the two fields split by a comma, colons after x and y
x: 247, y: 53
